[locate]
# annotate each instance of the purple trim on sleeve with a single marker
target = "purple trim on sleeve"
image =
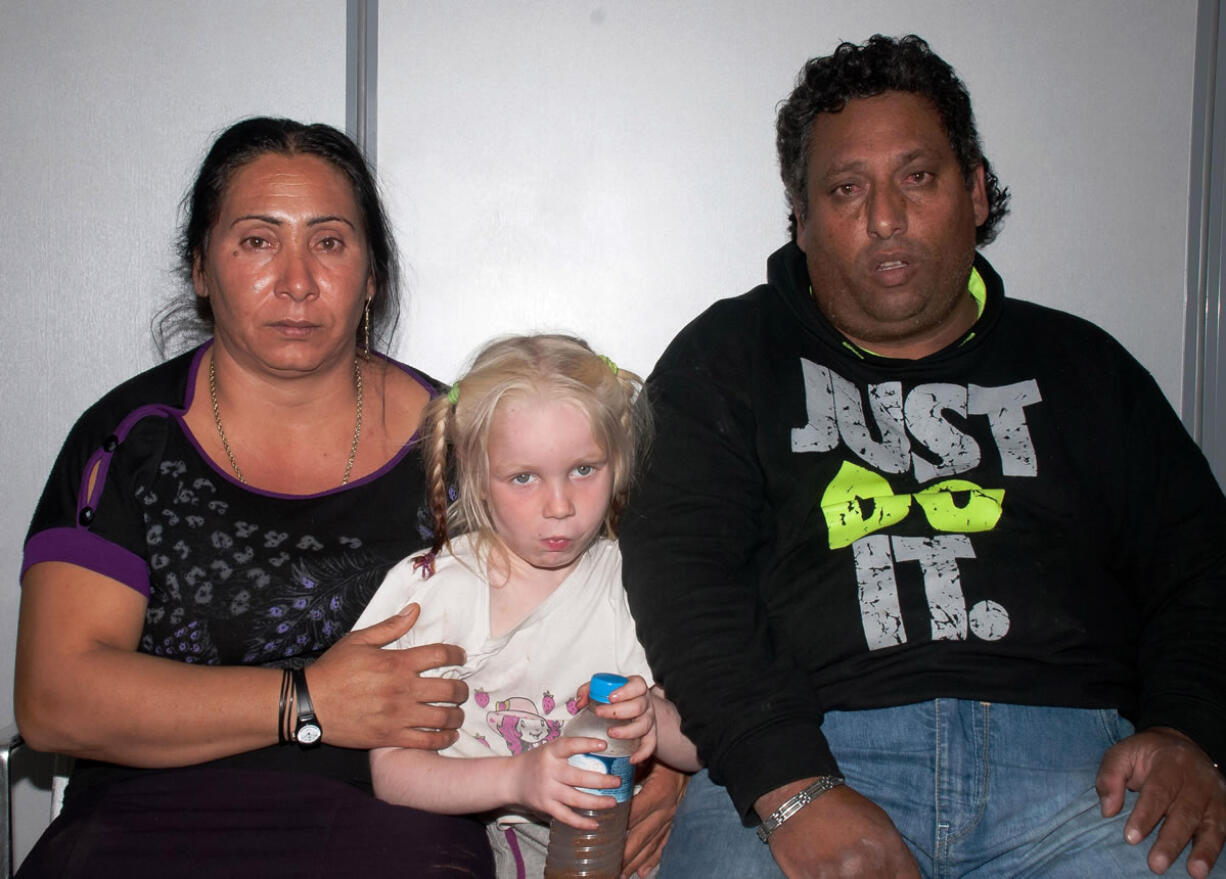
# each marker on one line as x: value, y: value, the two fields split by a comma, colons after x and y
x: 86, y: 498
x: 102, y: 457
x: 83, y: 548
x: 78, y: 545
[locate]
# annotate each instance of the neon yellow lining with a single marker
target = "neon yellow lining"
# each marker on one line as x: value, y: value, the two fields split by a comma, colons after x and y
x: 978, y: 291
x: 974, y: 285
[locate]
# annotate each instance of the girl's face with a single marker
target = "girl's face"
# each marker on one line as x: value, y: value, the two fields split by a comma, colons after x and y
x: 550, y: 481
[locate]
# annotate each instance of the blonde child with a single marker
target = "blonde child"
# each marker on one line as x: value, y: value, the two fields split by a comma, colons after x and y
x: 540, y: 438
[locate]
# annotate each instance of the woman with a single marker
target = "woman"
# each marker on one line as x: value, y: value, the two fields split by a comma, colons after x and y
x: 222, y: 519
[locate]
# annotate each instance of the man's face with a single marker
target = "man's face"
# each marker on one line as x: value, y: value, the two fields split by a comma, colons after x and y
x: 890, y: 233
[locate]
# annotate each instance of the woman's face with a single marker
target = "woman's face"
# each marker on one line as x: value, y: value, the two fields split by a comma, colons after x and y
x: 286, y: 269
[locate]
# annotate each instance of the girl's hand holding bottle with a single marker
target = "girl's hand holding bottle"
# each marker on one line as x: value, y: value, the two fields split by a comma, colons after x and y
x: 543, y: 779
x: 634, y: 706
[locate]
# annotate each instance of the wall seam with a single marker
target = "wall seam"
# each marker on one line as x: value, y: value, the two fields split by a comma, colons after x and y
x: 361, y: 74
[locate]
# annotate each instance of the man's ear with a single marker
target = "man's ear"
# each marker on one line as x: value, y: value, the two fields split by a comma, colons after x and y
x: 979, y: 194
x: 798, y: 216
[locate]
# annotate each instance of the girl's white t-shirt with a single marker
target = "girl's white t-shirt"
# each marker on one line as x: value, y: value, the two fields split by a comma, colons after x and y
x: 522, y: 684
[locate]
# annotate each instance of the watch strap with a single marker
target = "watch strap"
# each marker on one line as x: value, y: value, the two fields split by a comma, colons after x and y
x: 283, y: 707
x: 796, y: 802
x: 307, y: 732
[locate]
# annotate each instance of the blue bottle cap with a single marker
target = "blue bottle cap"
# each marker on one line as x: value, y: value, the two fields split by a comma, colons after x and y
x: 603, y: 684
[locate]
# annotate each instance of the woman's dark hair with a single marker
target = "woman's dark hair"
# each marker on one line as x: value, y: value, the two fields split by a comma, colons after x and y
x: 882, y: 64
x: 245, y: 142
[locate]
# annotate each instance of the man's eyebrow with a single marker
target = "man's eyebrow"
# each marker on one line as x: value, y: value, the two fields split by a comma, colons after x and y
x: 844, y: 168
x: 917, y: 153
x: 854, y: 165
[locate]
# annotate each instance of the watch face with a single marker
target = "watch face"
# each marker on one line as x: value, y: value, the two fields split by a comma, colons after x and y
x: 308, y: 734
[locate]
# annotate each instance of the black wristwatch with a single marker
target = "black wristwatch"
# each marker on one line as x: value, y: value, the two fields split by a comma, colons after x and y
x: 308, y: 732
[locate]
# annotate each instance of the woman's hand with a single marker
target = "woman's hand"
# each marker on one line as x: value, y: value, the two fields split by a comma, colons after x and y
x: 632, y: 704
x: 367, y: 697
x: 544, y: 780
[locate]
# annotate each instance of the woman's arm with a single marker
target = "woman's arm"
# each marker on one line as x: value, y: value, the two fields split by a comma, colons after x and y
x: 82, y: 689
x: 540, y: 779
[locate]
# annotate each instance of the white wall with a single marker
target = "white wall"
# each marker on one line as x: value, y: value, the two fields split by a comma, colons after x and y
x: 105, y: 112
x: 609, y: 168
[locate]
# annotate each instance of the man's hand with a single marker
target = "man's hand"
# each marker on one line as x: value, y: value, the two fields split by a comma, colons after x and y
x: 651, y: 819
x: 1179, y: 786
x: 841, y: 833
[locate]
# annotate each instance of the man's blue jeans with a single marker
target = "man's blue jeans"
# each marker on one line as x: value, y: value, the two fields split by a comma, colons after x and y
x: 976, y: 789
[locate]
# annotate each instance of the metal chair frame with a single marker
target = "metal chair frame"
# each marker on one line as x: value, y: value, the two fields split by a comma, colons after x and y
x: 11, y: 742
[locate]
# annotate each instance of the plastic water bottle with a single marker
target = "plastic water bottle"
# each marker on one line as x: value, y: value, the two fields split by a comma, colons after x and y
x: 595, y: 854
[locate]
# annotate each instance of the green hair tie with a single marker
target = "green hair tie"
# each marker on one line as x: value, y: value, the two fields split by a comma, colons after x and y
x: 453, y: 395
x: 609, y: 363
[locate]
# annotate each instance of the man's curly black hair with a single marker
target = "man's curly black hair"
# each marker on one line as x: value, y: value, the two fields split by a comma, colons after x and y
x: 881, y: 64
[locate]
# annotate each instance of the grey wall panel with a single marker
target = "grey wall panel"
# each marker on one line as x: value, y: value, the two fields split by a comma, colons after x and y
x: 1205, y: 352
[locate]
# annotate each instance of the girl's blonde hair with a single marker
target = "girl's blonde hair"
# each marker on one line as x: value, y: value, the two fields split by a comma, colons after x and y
x: 456, y: 426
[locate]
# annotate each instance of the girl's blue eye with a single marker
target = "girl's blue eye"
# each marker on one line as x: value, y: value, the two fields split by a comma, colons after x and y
x: 521, y: 478
x: 585, y: 469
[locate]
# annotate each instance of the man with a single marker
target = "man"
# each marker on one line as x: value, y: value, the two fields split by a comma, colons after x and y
x: 935, y: 577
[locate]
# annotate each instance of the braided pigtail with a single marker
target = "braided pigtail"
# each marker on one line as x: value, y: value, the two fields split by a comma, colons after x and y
x: 436, y: 425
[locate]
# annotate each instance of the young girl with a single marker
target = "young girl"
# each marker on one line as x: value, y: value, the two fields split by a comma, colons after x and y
x: 540, y: 437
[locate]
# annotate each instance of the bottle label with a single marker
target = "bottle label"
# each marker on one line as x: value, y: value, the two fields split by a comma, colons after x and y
x: 619, y: 766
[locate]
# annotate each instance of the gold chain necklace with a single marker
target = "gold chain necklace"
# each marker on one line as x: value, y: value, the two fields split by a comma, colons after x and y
x: 225, y: 443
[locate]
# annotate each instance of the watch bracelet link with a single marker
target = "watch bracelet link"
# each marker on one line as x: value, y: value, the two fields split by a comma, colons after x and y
x: 796, y: 802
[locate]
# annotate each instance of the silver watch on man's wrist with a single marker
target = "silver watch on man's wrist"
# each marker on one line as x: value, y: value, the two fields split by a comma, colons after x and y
x: 795, y: 803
